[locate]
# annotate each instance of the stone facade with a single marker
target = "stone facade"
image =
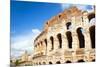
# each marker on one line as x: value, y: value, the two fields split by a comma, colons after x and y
x: 68, y: 37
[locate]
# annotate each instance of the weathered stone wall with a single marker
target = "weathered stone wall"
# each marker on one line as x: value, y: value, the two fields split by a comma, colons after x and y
x: 51, y: 52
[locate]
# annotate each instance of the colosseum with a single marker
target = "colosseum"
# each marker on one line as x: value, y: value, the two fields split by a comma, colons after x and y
x: 68, y: 37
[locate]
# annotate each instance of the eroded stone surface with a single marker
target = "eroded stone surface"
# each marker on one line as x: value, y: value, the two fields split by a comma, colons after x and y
x: 77, y: 19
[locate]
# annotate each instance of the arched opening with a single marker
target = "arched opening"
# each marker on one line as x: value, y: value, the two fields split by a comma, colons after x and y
x: 52, y: 42
x: 93, y: 60
x: 68, y: 61
x: 45, y: 40
x: 81, y: 60
x: 41, y: 43
x: 81, y: 38
x: 38, y: 45
x: 69, y: 38
x: 60, y: 40
x: 35, y: 47
x: 59, y: 16
x: 44, y: 63
x: 92, y: 36
x: 58, y: 62
x: 68, y: 24
x: 39, y: 63
x: 50, y: 62
x: 90, y: 16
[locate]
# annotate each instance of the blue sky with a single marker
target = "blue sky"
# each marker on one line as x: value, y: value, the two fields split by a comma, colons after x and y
x: 29, y: 15
x: 28, y: 19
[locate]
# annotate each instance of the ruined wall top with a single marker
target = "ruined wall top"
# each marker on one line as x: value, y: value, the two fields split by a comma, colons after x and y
x: 66, y: 14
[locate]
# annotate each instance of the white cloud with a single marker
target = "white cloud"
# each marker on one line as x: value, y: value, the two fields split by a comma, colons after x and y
x: 23, y: 42
x: 84, y: 7
x: 65, y: 6
x: 81, y: 7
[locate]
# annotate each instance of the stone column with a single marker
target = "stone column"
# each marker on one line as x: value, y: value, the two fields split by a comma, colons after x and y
x: 87, y: 39
x: 87, y: 43
x: 75, y: 42
x: 75, y: 45
x: 48, y: 46
x: 64, y: 41
x: 39, y: 47
x: 64, y: 38
x: 56, y: 43
x: 64, y: 46
x: 85, y: 18
x: 36, y: 49
x: 44, y: 47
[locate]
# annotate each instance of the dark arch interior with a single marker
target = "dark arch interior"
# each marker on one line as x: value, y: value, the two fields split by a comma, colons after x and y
x: 41, y: 43
x: 92, y: 36
x: 36, y: 46
x: 68, y: 24
x: 59, y: 16
x: 93, y: 60
x: 69, y: 38
x: 50, y: 62
x: 81, y: 60
x: 58, y: 62
x: 52, y: 42
x: 81, y: 38
x: 60, y: 40
x: 45, y: 41
x: 91, y: 16
x: 39, y: 63
x: 68, y: 61
x: 44, y: 63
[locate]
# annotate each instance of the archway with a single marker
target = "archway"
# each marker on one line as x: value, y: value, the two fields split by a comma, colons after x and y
x: 93, y: 60
x: 39, y: 63
x: 60, y: 40
x: 50, y: 62
x: 45, y: 40
x: 81, y: 60
x: 44, y: 63
x: 52, y: 42
x: 68, y: 61
x: 81, y: 38
x: 90, y: 16
x: 92, y: 36
x: 68, y: 24
x: 69, y: 38
x: 58, y: 62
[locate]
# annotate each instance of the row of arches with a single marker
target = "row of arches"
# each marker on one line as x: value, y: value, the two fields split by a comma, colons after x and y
x: 81, y: 38
x: 69, y: 38
x: 59, y: 62
x: 91, y: 17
